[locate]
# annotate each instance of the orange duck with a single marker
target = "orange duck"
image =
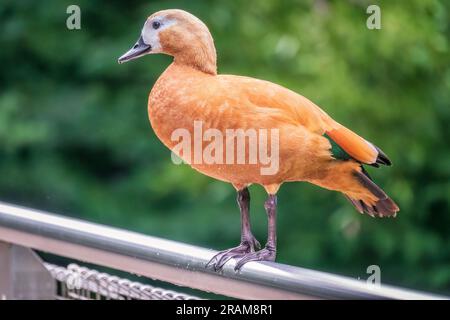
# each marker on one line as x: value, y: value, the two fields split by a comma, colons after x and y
x: 309, y: 145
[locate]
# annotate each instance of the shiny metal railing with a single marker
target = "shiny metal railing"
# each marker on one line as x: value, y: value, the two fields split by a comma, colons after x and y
x: 179, y: 263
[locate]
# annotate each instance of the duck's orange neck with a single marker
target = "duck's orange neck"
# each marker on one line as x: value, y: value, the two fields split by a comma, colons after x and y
x: 195, y: 50
x: 202, y: 58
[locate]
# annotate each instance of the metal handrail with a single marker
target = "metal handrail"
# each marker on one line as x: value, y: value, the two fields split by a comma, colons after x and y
x: 179, y: 263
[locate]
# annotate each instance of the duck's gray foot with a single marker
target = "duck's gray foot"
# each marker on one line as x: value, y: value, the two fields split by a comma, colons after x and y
x: 246, y: 247
x: 266, y: 254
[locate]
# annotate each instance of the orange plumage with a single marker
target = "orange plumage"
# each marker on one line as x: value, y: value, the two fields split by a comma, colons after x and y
x: 191, y: 90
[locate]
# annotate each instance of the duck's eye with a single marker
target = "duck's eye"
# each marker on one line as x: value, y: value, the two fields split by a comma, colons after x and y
x: 156, y: 24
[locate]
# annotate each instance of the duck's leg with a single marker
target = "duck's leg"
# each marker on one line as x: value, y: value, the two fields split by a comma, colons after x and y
x: 269, y: 252
x: 248, y: 241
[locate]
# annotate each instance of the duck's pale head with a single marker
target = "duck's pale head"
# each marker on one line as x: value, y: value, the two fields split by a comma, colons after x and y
x: 179, y: 34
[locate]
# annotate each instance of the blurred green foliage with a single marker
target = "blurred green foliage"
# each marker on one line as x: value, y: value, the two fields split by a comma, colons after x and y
x: 75, y: 138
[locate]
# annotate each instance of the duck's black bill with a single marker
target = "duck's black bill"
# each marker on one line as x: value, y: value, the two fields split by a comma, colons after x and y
x: 138, y: 50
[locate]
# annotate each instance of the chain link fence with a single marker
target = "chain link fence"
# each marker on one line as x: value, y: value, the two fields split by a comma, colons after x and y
x: 75, y: 282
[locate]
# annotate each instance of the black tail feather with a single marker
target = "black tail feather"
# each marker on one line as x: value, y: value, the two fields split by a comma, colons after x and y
x: 366, y: 181
x: 383, y: 207
x: 382, y: 158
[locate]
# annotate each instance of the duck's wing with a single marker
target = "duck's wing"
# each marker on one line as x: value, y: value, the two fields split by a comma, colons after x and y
x: 267, y: 95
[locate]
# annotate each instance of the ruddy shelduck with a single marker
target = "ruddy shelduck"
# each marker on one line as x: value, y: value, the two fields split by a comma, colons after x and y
x: 311, y: 145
